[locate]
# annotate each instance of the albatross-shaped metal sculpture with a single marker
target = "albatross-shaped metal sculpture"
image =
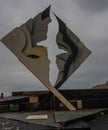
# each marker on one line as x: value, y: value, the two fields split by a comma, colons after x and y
x: 22, y: 41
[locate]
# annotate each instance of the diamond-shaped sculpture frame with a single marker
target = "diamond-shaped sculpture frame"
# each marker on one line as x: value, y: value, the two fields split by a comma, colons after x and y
x: 22, y: 41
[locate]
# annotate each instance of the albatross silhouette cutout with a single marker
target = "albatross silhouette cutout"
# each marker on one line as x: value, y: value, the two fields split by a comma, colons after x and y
x: 22, y: 41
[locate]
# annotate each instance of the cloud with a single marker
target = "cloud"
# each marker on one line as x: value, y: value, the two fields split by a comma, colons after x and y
x: 93, y: 6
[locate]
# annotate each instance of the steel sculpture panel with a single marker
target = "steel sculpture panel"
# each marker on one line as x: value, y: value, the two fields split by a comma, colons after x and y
x: 24, y: 41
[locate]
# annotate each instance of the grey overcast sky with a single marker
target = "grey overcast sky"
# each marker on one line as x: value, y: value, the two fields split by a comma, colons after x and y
x: 88, y: 19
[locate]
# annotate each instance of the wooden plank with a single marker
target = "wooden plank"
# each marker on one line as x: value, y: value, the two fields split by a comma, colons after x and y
x: 61, y: 98
x: 79, y: 104
x: 37, y: 117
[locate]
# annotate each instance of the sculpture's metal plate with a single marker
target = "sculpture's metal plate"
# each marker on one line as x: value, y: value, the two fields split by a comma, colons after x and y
x: 75, y: 56
x: 23, y: 42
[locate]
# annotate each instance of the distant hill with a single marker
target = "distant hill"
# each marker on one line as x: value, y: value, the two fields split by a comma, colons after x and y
x: 101, y: 86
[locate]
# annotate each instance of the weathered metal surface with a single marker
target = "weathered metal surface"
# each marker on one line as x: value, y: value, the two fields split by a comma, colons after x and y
x: 75, y: 54
x: 22, y: 41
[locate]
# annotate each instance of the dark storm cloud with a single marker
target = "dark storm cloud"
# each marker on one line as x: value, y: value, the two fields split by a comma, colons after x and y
x: 93, y: 5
